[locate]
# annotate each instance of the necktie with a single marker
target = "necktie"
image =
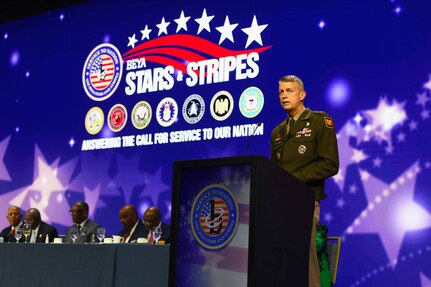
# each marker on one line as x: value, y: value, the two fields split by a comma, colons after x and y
x: 126, y: 235
x: 78, y: 227
x: 289, y: 131
x: 151, y: 239
x: 12, y: 232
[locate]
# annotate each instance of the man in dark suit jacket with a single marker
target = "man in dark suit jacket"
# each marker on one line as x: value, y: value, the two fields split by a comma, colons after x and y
x: 133, y: 227
x: 14, y: 216
x: 152, y: 219
x: 87, y: 229
x: 40, y: 230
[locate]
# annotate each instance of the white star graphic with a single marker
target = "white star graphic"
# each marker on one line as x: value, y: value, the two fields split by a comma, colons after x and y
x: 353, y: 188
x: 182, y: 22
x: 212, y: 259
x: 226, y: 30
x: 427, y: 85
x: 146, y: 33
x: 154, y: 186
x: 71, y: 142
x: 91, y: 198
x: 377, y: 162
x: 253, y: 32
x: 358, y: 156
x: 392, y: 211
x: 425, y: 114
x: 328, y: 217
x: 339, y: 178
x: 4, y: 174
x: 384, y: 118
x: 357, y: 119
x: 163, y: 27
x: 132, y: 41
x: 364, y: 174
x: 204, y: 22
x: 340, y: 203
x: 48, y: 188
x: 401, y: 137
x: 422, y: 99
x: 413, y: 125
x: 425, y: 281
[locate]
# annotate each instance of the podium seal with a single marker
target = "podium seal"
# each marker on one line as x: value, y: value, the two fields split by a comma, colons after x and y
x: 214, y: 216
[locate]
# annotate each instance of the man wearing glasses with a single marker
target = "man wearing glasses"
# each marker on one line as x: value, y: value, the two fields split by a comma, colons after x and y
x: 85, y: 228
x: 153, y: 221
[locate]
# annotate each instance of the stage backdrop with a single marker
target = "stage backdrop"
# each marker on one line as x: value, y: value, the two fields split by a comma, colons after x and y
x: 98, y: 100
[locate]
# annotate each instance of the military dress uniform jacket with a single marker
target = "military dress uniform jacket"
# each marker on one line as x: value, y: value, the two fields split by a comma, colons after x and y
x: 309, y: 152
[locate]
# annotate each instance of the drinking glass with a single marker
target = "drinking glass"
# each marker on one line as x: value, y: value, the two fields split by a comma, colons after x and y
x: 26, y: 231
x: 18, y: 234
x: 73, y: 234
x: 101, y: 233
x: 157, y: 234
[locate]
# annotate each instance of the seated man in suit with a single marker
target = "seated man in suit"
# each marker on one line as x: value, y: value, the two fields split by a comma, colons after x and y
x: 87, y: 229
x: 40, y: 230
x: 14, y: 216
x: 152, y: 219
x: 133, y: 227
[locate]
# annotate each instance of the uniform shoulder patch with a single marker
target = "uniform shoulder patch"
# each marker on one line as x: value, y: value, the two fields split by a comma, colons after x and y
x: 329, y: 122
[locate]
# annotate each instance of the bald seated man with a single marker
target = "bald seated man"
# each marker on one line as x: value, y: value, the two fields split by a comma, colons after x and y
x: 152, y: 219
x: 14, y: 216
x: 39, y: 229
x: 133, y: 227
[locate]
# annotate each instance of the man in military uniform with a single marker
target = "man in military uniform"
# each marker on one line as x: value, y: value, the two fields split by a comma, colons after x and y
x: 305, y: 145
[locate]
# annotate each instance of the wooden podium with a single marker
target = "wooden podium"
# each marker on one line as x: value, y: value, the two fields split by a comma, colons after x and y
x: 263, y: 216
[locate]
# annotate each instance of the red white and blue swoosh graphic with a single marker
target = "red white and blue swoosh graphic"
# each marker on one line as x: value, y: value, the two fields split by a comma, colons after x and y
x: 178, y: 50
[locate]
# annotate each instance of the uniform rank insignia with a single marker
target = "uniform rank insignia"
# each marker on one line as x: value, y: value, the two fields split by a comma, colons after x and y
x: 329, y: 123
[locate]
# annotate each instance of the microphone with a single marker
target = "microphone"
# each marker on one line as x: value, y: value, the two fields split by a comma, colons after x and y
x: 251, y: 138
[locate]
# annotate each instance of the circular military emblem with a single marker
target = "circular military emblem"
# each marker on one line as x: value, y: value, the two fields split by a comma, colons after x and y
x: 302, y: 149
x: 167, y: 112
x: 193, y: 109
x: 102, y: 72
x: 117, y: 117
x: 251, y: 102
x: 221, y: 105
x: 94, y: 120
x: 214, y: 216
x: 141, y: 115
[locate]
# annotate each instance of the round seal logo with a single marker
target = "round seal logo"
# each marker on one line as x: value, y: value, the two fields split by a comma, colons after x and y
x: 302, y: 148
x: 221, y: 105
x: 214, y: 216
x: 167, y: 112
x: 193, y: 109
x: 141, y: 115
x: 94, y: 120
x: 251, y: 102
x: 102, y: 72
x: 117, y: 117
